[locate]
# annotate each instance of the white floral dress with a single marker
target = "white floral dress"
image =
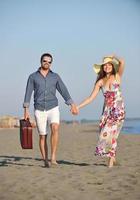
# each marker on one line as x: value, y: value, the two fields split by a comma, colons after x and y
x: 111, y: 121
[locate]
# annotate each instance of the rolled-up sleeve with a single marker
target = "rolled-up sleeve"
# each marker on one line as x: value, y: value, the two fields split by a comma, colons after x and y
x: 62, y: 89
x: 28, y: 93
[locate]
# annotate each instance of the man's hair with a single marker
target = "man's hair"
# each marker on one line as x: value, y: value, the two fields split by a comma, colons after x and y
x: 46, y: 54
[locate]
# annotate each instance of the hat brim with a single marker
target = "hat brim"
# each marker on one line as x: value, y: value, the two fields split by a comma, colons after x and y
x: 97, y: 67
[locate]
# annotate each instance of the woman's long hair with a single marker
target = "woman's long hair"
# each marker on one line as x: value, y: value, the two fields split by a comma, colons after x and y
x: 102, y: 73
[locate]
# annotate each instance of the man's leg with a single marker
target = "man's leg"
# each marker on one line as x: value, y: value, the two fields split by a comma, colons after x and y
x: 54, y: 141
x: 41, y: 122
x: 44, y: 148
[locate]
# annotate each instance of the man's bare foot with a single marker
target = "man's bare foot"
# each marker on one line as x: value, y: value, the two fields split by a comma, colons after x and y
x: 47, y: 164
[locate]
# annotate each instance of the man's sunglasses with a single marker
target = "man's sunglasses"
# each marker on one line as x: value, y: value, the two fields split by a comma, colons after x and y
x: 47, y: 61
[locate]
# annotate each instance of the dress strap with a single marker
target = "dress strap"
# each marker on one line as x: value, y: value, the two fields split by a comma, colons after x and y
x: 116, y: 79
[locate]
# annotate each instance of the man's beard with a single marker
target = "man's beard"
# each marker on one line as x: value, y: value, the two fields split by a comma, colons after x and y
x: 45, y: 68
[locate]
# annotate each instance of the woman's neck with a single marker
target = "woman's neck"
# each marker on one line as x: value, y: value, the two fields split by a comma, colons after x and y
x: 108, y: 75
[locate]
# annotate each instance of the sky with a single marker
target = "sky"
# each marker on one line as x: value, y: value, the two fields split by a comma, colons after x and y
x: 77, y: 34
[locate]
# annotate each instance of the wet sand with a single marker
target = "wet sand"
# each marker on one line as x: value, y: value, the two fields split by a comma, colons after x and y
x: 79, y: 175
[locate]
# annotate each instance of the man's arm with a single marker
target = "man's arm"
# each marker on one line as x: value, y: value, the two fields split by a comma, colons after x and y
x: 27, y: 98
x: 62, y: 89
x: 60, y: 86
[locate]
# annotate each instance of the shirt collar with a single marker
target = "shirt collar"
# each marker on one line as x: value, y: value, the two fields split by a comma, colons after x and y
x: 40, y: 68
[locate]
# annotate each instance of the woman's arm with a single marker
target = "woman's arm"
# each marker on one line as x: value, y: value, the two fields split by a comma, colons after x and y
x: 121, y: 65
x: 92, y: 96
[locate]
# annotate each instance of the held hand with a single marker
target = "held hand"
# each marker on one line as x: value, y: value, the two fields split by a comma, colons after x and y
x: 74, y: 110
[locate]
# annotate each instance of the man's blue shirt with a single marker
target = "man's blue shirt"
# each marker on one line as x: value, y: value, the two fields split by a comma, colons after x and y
x: 45, y: 91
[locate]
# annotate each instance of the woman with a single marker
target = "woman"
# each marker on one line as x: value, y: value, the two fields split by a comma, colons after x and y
x: 108, y: 81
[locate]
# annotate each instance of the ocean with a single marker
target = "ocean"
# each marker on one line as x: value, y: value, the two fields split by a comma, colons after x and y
x: 131, y: 126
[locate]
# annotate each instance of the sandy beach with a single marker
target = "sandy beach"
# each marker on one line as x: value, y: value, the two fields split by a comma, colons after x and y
x: 79, y: 175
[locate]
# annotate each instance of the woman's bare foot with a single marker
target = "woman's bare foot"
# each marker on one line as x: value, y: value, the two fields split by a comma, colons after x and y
x: 112, y: 162
x: 54, y: 163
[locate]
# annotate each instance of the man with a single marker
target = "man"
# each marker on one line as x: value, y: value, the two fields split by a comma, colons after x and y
x: 44, y: 83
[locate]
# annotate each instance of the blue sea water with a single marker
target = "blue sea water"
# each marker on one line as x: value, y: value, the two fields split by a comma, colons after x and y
x: 131, y: 126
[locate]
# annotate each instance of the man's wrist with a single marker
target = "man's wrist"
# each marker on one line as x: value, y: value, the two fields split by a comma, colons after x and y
x: 26, y: 109
x: 73, y: 105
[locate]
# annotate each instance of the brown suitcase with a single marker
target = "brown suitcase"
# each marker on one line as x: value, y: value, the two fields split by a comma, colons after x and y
x: 26, y: 139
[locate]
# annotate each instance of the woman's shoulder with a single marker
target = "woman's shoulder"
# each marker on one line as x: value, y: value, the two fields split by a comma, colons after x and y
x: 100, y: 82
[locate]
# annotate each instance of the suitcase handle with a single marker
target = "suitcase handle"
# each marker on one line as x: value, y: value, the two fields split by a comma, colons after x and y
x: 26, y: 122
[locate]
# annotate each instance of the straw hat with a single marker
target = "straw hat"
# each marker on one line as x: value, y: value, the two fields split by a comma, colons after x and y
x: 107, y: 59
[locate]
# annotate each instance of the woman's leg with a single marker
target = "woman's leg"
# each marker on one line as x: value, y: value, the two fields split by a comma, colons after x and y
x: 112, y: 161
x: 112, y: 153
